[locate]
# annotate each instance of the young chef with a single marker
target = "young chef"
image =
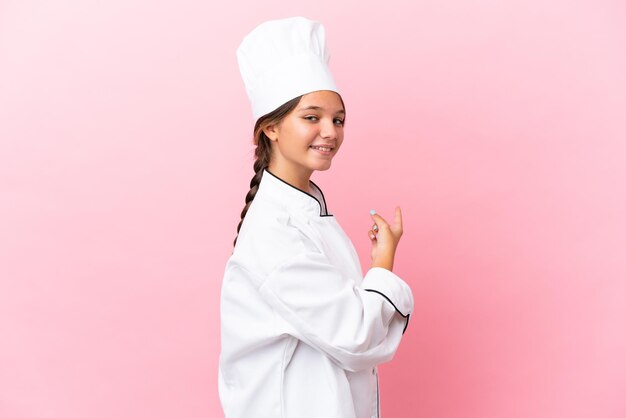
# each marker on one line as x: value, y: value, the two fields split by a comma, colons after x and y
x: 302, y: 329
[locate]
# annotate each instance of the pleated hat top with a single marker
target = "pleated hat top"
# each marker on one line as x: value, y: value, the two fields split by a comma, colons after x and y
x: 282, y: 59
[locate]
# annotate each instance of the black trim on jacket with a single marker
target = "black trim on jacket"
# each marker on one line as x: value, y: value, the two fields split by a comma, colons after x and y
x: 394, y: 306
x: 306, y: 193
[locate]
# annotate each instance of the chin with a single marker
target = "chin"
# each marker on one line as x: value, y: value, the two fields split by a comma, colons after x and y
x: 323, y: 167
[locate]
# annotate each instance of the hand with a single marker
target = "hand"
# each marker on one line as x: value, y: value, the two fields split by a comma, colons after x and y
x: 385, y: 238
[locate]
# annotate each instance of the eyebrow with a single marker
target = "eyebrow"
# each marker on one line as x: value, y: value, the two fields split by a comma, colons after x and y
x: 318, y: 108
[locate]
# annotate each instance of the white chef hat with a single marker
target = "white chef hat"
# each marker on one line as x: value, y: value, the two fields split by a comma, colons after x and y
x: 282, y: 59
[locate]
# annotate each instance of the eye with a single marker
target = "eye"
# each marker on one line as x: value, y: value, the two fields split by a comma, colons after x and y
x: 312, y: 118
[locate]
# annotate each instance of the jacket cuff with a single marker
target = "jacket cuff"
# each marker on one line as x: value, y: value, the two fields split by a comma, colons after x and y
x: 390, y: 286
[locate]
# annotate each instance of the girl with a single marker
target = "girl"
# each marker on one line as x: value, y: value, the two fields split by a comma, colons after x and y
x: 302, y: 328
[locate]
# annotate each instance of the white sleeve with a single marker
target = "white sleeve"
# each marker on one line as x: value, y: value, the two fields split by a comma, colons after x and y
x: 357, y: 327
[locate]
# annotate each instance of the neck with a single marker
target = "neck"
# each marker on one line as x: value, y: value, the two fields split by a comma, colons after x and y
x: 296, y: 179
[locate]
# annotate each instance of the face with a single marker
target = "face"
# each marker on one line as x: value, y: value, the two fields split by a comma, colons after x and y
x: 316, y: 121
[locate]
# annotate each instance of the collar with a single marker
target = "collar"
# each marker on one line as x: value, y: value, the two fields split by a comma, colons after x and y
x: 291, y: 196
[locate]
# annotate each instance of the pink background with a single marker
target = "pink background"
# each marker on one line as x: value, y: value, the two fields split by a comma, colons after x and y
x: 125, y: 157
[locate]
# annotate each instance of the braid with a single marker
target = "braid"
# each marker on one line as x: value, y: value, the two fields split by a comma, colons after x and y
x: 262, y: 160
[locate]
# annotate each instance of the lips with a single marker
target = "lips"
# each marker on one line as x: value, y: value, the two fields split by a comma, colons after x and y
x: 329, y: 147
x: 322, y: 152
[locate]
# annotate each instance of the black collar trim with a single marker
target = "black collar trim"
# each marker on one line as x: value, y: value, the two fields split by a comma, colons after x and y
x: 306, y: 193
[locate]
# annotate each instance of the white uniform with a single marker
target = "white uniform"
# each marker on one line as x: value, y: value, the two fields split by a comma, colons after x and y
x: 302, y: 329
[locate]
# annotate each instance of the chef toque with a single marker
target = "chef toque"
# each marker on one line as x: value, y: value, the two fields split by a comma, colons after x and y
x: 282, y: 59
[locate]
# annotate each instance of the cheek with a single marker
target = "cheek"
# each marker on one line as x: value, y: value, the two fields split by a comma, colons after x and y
x: 305, y: 136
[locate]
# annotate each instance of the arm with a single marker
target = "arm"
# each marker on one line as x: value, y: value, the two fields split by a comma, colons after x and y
x: 357, y: 327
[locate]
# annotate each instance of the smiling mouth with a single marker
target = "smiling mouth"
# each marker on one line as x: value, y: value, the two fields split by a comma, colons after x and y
x: 325, y: 149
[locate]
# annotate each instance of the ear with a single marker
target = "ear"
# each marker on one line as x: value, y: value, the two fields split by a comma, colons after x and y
x: 271, y: 131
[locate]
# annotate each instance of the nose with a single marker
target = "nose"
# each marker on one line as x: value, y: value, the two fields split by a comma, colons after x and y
x: 329, y: 130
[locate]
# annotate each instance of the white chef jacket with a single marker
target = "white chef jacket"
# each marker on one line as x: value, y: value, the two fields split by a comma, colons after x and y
x: 302, y: 329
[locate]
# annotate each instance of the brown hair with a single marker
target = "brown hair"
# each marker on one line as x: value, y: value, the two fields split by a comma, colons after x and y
x: 263, y: 149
